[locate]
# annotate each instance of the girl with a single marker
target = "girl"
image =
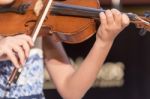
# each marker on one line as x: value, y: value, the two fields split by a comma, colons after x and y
x: 70, y: 83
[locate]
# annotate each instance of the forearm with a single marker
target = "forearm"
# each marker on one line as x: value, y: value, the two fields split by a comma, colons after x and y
x: 81, y: 80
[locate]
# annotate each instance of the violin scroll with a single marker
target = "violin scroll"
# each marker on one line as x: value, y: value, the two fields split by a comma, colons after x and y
x: 142, y: 22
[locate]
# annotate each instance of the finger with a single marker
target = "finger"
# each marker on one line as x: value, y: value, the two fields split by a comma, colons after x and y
x: 20, y: 53
x: 13, y: 58
x: 29, y: 40
x: 109, y: 17
x: 117, y: 16
x: 26, y: 38
x: 26, y: 48
x: 103, y: 18
x: 125, y: 20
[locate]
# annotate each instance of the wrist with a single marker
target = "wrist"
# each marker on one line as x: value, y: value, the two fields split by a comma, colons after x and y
x: 1, y: 37
x: 1, y: 51
x: 103, y: 44
x: 3, y: 56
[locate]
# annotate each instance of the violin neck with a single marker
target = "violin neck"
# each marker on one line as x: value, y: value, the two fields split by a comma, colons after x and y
x: 73, y: 10
x: 80, y: 11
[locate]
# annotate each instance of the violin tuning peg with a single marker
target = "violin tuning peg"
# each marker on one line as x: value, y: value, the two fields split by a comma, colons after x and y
x: 142, y: 32
x: 147, y: 14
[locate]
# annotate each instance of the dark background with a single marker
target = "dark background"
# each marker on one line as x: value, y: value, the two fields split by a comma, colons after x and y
x: 131, y: 49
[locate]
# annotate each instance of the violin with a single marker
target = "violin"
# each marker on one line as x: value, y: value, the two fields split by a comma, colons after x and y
x: 76, y: 30
x: 69, y: 21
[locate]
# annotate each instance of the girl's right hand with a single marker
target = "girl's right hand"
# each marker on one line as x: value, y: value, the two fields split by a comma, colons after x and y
x: 4, y: 2
x: 16, y: 48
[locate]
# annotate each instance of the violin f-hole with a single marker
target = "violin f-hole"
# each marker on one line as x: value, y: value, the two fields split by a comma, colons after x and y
x: 29, y: 25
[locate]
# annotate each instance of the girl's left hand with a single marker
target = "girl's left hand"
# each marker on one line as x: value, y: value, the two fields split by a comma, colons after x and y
x: 112, y: 23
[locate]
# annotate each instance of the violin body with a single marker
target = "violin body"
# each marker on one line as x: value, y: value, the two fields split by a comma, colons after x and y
x: 67, y: 29
x: 14, y: 23
x: 72, y: 29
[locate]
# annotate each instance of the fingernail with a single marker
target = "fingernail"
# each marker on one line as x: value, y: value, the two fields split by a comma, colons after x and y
x: 102, y: 14
x: 27, y: 55
x: 17, y: 66
x: 24, y: 62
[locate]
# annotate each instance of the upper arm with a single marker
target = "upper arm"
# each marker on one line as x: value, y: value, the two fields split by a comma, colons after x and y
x: 54, y: 50
x: 59, y: 73
x: 57, y: 63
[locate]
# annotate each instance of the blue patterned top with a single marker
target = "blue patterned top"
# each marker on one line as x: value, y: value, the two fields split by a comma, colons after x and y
x: 30, y: 82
